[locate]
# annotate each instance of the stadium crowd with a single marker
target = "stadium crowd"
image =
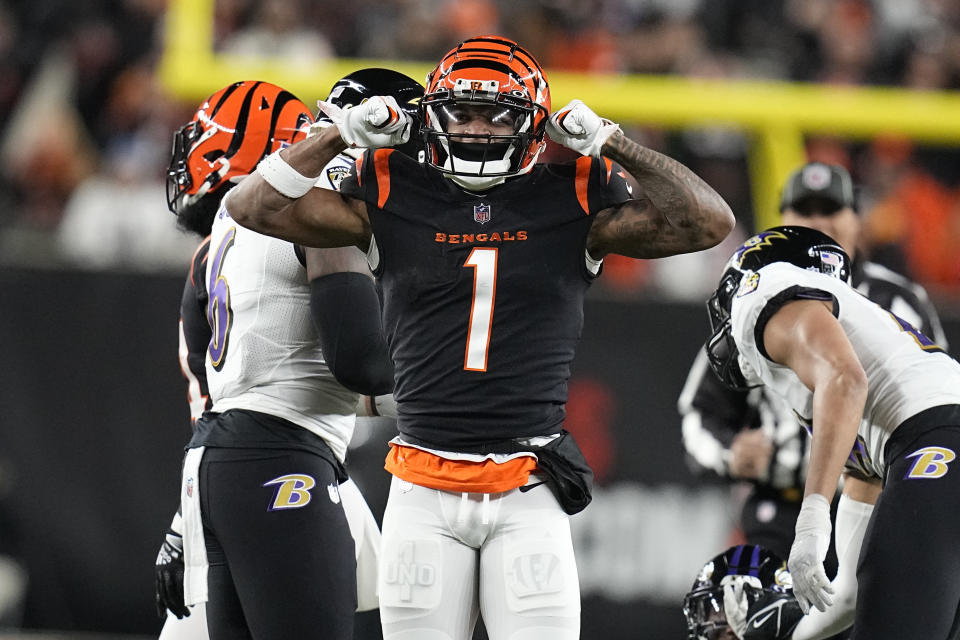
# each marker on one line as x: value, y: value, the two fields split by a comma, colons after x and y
x: 86, y: 124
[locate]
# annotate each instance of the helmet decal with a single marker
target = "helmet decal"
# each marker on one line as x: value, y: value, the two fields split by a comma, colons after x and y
x: 748, y: 284
x: 756, y: 243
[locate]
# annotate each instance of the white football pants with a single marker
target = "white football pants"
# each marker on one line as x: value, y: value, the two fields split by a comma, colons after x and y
x: 445, y: 557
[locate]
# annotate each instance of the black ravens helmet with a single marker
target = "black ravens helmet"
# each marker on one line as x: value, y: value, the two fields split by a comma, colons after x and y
x: 757, y: 567
x: 800, y: 246
x: 356, y: 87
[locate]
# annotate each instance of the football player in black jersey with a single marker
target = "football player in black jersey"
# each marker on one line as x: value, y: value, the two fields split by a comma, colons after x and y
x: 260, y: 338
x: 483, y: 257
x: 753, y: 435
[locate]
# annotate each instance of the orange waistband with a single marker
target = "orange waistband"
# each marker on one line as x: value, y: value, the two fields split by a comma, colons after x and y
x: 428, y: 470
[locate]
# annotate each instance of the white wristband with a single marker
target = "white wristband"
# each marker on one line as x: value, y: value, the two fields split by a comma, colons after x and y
x: 284, y: 178
x: 177, y: 525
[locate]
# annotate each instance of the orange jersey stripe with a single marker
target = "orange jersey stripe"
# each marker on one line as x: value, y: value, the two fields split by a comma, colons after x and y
x: 193, y: 260
x: 583, y: 178
x: 609, y: 164
x: 428, y: 470
x: 381, y: 165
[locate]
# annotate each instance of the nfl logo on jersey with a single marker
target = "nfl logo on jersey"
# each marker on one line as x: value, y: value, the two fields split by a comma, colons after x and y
x: 481, y: 213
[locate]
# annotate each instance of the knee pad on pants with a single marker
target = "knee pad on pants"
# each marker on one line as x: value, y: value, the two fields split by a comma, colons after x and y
x: 539, y: 576
x: 410, y: 575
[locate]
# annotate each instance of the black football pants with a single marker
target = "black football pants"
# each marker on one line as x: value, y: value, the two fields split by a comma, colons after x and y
x: 281, y: 557
x: 909, y: 569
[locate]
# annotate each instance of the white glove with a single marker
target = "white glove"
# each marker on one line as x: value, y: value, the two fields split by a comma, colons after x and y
x: 735, y: 607
x: 848, y: 531
x: 810, y: 583
x: 577, y: 127
x: 377, y: 122
x: 760, y: 614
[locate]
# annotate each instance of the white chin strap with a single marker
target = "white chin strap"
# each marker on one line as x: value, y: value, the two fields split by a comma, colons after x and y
x: 476, y: 183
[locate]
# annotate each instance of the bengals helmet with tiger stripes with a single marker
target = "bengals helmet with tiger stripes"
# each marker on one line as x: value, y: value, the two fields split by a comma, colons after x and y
x: 230, y: 133
x: 499, y: 76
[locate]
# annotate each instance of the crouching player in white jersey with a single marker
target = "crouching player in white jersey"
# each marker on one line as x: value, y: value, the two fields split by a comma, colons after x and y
x: 275, y: 538
x: 879, y: 400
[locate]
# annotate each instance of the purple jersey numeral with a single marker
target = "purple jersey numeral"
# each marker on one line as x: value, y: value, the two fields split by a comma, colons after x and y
x: 219, y: 314
x: 859, y: 459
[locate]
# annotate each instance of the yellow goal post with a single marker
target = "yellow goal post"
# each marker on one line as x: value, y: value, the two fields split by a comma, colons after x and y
x: 774, y: 116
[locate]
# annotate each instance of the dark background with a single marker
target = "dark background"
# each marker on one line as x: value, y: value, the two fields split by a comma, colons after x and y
x: 93, y: 418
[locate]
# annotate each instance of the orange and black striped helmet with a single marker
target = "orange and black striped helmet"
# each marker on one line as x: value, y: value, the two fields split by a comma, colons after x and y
x: 496, y: 74
x: 231, y: 132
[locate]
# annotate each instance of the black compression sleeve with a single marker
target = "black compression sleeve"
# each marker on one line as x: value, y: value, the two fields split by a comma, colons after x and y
x: 346, y: 312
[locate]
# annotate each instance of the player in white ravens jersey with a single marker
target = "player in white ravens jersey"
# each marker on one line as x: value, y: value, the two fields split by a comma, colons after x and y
x: 363, y: 526
x: 752, y: 435
x: 262, y: 323
x: 879, y: 399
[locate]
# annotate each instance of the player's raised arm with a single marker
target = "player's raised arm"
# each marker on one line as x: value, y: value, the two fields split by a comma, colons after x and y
x: 676, y: 211
x: 278, y: 199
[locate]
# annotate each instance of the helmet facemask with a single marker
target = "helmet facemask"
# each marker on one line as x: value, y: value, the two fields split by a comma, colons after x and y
x: 706, y: 609
x: 721, y: 348
x: 180, y: 179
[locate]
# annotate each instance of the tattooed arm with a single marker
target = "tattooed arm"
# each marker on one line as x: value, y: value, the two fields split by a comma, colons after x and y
x: 319, y: 217
x: 676, y: 211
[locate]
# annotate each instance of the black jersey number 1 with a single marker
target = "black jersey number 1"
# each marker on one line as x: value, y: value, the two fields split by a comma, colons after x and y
x: 483, y: 261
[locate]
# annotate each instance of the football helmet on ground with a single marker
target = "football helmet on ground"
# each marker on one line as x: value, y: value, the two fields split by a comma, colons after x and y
x: 485, y: 111
x: 230, y: 133
x: 800, y: 246
x: 753, y: 569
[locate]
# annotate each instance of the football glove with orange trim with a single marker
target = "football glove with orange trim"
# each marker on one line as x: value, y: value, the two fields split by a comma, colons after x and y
x: 377, y: 122
x: 577, y: 127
